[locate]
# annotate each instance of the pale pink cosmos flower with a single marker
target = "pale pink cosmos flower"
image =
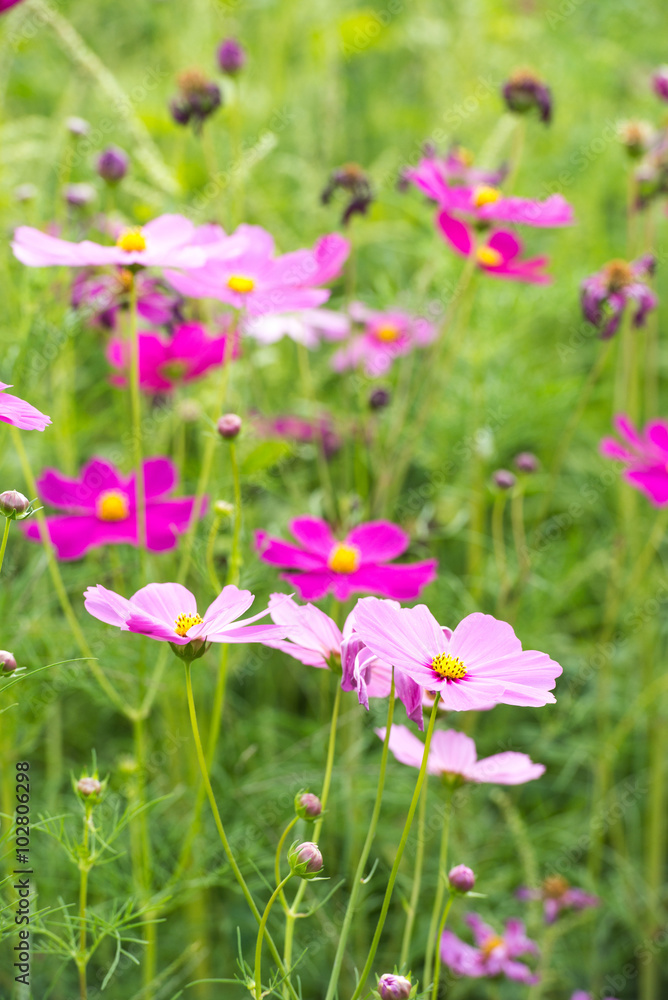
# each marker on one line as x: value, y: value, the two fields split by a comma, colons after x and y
x: 163, y: 242
x: 18, y: 413
x: 243, y: 271
x: 645, y: 455
x: 493, y: 955
x: 386, y: 336
x: 168, y: 612
x: 481, y: 664
x: 558, y: 895
x: 498, y: 254
x: 309, y: 326
x: 357, y: 563
x: 453, y: 756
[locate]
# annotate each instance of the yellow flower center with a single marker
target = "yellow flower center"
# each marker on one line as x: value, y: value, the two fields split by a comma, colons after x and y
x: 132, y: 241
x: 344, y: 558
x: 489, y: 256
x: 490, y: 944
x: 387, y: 334
x: 485, y: 195
x: 239, y: 283
x: 448, y: 667
x: 112, y: 505
x: 184, y: 622
x: 555, y: 886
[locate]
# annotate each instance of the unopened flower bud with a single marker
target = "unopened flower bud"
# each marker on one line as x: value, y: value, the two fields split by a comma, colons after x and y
x: 231, y: 56
x: 307, y: 805
x: 189, y: 411
x: 223, y: 508
x: 526, y: 461
x: 77, y: 126
x: 25, y: 192
x: 79, y: 195
x: 229, y: 426
x: 88, y: 786
x: 305, y: 860
x: 394, y: 987
x: 112, y: 165
x: 504, y: 479
x: 461, y: 878
x: 660, y: 83
x: 13, y: 503
x: 379, y: 398
x: 7, y: 662
x: 127, y: 765
x: 523, y: 91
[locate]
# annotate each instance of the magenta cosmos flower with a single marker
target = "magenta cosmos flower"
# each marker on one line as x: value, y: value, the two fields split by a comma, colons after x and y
x: 645, y: 456
x: 386, y: 336
x: 358, y: 563
x: 20, y: 414
x: 487, y: 205
x: 101, y: 508
x: 164, y: 242
x: 243, y: 271
x: 481, y: 663
x: 607, y: 294
x: 167, y: 362
x: 434, y: 175
x: 168, y: 612
x: 7, y: 4
x: 102, y: 295
x: 494, y: 954
x: 558, y: 895
x: 453, y: 756
x: 498, y: 254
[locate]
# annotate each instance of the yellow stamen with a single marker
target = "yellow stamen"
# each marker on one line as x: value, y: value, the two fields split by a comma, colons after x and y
x: 112, y: 505
x: 132, y: 241
x: 489, y: 256
x: 387, y: 334
x: 448, y: 667
x: 490, y: 944
x: 485, y: 195
x: 184, y: 622
x: 555, y: 886
x: 241, y: 284
x: 344, y: 558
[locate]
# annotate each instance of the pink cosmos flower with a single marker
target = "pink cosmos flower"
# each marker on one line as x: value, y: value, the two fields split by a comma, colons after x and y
x: 243, y: 271
x: 487, y: 205
x: 434, y: 175
x: 481, y: 663
x: 166, y: 362
x: 163, y: 242
x: 558, y: 895
x: 645, y: 456
x: 581, y: 995
x: 386, y: 336
x: 308, y: 327
x: 356, y: 564
x: 294, y: 428
x: 20, y: 414
x: 498, y: 255
x: 7, y: 4
x: 452, y: 755
x: 168, y: 612
x: 102, y: 295
x: 494, y: 954
x: 101, y: 508
x: 607, y: 294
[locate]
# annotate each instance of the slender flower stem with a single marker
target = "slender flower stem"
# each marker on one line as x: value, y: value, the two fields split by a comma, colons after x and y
x: 400, y: 851
x: 221, y: 830
x: 260, y: 934
x: 5, y: 536
x: 278, y: 855
x: 519, y: 535
x: 499, y: 542
x: 441, y: 928
x: 440, y: 890
x: 361, y: 864
x: 144, y: 879
x: 235, y: 555
x: 84, y: 868
x: 417, y: 881
x: 135, y: 404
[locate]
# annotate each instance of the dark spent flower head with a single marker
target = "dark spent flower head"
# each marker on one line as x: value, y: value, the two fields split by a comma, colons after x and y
x: 636, y: 137
x: 199, y: 97
x: 308, y: 806
x: 231, y: 56
x: 379, y: 398
x: 354, y: 180
x: 229, y: 426
x: 461, y: 878
x: 526, y: 461
x: 504, y: 479
x: 305, y: 860
x: 13, y: 504
x: 523, y: 91
x: 112, y: 164
x: 7, y: 662
x: 392, y: 987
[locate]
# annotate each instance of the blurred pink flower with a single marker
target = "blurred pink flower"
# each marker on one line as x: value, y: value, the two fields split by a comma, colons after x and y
x: 243, y: 271
x: 498, y: 255
x: 386, y: 336
x: 452, y: 755
x: 163, y: 242
x: 308, y: 327
x: 166, y: 362
x: 294, y: 428
x: 357, y: 564
x: 558, y: 895
x: 101, y: 508
x: 486, y: 204
x: 606, y: 294
x: 17, y: 412
x: 645, y: 456
x: 168, y: 612
x: 7, y: 4
x: 480, y: 664
x: 102, y: 295
x: 581, y: 995
x: 434, y: 174
x: 494, y: 954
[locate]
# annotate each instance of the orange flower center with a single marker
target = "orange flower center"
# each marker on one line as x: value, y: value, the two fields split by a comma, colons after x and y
x: 184, y: 622
x: 489, y: 256
x: 132, y: 241
x: 618, y: 274
x: 485, y: 195
x: 387, y: 333
x: 555, y: 886
x: 112, y: 505
x: 344, y: 558
x: 240, y: 283
x: 448, y: 667
x: 490, y: 945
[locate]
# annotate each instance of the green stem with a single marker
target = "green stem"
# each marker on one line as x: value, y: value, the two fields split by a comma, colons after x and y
x: 279, y: 854
x: 135, y: 404
x: 210, y: 564
x: 221, y: 830
x: 400, y: 851
x: 499, y: 542
x: 358, y: 880
x: 235, y: 555
x: 437, y: 967
x: 5, y: 536
x: 144, y: 858
x: 440, y: 891
x: 84, y: 869
x: 417, y: 881
x: 260, y: 934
